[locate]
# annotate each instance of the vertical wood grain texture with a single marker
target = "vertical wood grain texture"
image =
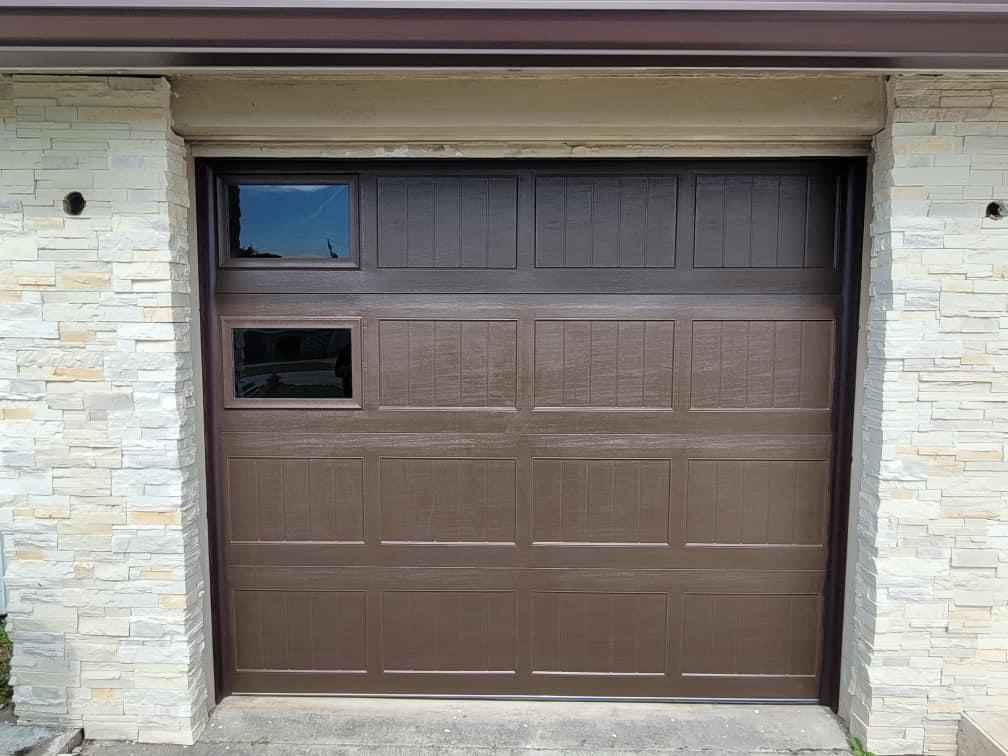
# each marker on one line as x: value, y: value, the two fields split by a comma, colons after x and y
x: 604, y: 363
x: 606, y: 221
x: 451, y: 500
x: 739, y: 364
x: 448, y: 630
x: 599, y: 633
x: 779, y: 502
x: 300, y: 630
x: 296, y: 499
x: 600, y: 500
x: 447, y: 222
x: 750, y: 635
x: 448, y: 363
x: 752, y: 221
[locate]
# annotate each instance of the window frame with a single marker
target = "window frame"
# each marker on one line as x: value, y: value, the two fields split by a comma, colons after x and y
x: 228, y: 383
x: 225, y: 181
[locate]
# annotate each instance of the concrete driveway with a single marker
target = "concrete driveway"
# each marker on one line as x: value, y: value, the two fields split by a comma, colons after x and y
x: 314, y: 726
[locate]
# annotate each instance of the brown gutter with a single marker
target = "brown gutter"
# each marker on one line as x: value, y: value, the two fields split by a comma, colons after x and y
x: 179, y: 36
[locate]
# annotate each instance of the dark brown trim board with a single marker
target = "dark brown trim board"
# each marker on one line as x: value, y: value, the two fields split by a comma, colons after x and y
x: 849, y: 248
x: 207, y: 255
x: 487, y: 522
x: 866, y: 35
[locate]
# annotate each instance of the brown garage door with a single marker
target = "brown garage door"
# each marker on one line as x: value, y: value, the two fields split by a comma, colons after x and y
x: 502, y: 428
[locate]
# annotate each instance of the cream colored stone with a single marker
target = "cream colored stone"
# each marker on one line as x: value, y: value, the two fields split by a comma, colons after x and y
x: 154, y: 518
x: 76, y: 338
x: 84, y: 280
x: 76, y: 374
x: 172, y: 601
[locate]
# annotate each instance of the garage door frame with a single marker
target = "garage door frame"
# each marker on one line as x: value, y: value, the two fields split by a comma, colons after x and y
x: 849, y: 228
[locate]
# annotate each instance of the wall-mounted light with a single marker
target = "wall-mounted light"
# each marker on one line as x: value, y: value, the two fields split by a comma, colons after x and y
x: 996, y: 211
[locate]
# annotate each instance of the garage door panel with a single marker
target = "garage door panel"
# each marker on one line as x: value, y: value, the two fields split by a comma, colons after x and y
x: 543, y: 421
x: 599, y: 633
x: 338, y: 445
x: 676, y: 556
x: 447, y: 363
x: 393, y: 554
x: 601, y: 500
x: 604, y: 363
x: 295, y: 499
x: 516, y: 305
x: 732, y: 581
x: 587, y: 632
x: 739, y: 635
x: 765, y: 365
x: 644, y: 281
x: 351, y: 446
x: 454, y: 500
x: 749, y: 502
x: 447, y: 221
x: 769, y: 446
x: 768, y: 221
x: 431, y: 631
x: 476, y: 684
x: 647, y: 580
x: 542, y: 555
x: 303, y: 630
x: 606, y: 221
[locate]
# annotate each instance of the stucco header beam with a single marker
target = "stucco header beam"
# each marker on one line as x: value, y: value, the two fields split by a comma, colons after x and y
x: 550, y: 115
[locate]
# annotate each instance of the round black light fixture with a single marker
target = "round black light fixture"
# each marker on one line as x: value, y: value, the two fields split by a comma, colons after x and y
x: 74, y: 203
x: 996, y: 211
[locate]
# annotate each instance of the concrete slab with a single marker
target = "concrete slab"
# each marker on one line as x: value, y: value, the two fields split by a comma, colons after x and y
x: 983, y: 734
x: 271, y: 726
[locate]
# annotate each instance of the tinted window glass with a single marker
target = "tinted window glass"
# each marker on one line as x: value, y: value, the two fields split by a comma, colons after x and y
x: 308, y: 221
x: 293, y: 363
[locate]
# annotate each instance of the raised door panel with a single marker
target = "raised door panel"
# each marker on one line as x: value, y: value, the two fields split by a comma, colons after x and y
x: 448, y: 363
x: 599, y: 633
x: 447, y: 222
x: 745, y: 635
x: 300, y: 630
x: 601, y: 500
x: 753, y: 221
x: 762, y: 364
x: 448, y: 500
x: 448, y: 631
x: 604, y: 364
x: 315, y: 500
x: 606, y: 221
x: 757, y: 502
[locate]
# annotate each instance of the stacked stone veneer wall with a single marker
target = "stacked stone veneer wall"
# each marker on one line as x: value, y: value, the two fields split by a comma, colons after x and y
x: 99, y: 490
x: 928, y: 634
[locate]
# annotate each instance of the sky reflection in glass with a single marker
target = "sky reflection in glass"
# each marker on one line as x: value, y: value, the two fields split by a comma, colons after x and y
x: 292, y: 220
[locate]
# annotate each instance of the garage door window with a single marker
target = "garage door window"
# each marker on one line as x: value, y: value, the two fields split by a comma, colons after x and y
x: 290, y: 221
x: 293, y: 365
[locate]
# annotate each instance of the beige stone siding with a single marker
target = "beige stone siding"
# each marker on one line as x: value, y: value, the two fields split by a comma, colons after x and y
x: 99, y: 490
x: 928, y: 637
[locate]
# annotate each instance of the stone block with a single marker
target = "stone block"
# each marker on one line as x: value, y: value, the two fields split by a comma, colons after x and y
x: 105, y: 626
